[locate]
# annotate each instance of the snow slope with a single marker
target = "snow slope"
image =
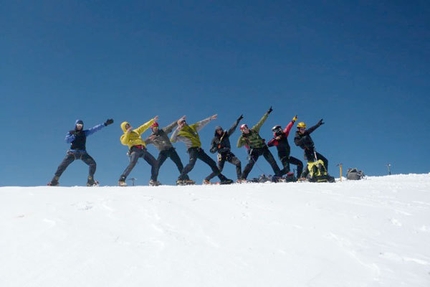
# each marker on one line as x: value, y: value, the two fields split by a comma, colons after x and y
x: 373, y: 232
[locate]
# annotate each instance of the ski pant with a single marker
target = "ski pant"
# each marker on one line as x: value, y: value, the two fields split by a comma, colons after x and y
x: 135, y: 153
x: 231, y: 158
x: 171, y: 152
x: 71, y: 156
x: 198, y: 153
x: 310, y: 157
x: 253, y: 157
x: 286, y: 160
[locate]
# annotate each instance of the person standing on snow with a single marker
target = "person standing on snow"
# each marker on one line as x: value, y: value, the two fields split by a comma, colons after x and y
x: 256, y: 146
x: 77, y: 139
x: 137, y: 149
x: 190, y: 136
x: 221, y: 144
x: 159, y: 138
x: 303, y: 140
x: 280, y: 140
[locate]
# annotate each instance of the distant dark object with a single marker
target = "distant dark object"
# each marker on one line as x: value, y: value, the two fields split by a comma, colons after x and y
x: 354, y: 174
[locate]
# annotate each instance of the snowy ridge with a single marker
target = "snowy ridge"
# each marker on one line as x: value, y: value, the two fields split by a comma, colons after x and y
x: 373, y: 232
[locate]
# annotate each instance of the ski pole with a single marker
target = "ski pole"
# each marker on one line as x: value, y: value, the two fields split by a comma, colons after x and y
x: 340, y: 170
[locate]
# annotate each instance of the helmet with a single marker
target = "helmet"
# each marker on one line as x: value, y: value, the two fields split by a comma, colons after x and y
x: 244, y: 126
x: 154, y: 125
x: 301, y: 125
x: 277, y: 130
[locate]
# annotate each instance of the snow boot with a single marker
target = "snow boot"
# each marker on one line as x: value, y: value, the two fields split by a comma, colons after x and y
x: 91, y: 181
x: 154, y: 183
x: 54, y: 181
x: 226, y: 181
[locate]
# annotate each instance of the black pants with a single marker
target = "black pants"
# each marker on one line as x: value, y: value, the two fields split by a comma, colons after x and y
x: 171, y: 152
x: 198, y: 153
x: 231, y: 158
x: 286, y: 160
x: 253, y: 157
x: 135, y: 154
x: 77, y: 155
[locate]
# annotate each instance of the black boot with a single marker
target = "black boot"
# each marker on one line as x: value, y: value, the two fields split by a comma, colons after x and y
x: 54, y: 181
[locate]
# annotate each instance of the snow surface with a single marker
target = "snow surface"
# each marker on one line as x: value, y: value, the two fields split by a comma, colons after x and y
x: 373, y: 232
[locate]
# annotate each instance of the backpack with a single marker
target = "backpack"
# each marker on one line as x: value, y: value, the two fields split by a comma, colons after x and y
x: 354, y: 174
x: 318, y: 172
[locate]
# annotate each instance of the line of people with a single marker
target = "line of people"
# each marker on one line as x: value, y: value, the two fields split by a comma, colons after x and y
x: 249, y: 138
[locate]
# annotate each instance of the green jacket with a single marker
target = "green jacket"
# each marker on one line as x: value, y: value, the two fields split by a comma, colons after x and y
x: 253, y: 139
x: 189, y: 134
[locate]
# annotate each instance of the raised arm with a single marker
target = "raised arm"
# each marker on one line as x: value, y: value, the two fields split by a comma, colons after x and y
x: 199, y: 125
x: 234, y: 126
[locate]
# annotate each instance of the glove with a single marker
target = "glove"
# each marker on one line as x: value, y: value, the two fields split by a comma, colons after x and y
x: 241, y: 117
x: 320, y: 122
x: 295, y: 118
x: 72, y: 132
x: 269, y: 110
x: 108, y: 122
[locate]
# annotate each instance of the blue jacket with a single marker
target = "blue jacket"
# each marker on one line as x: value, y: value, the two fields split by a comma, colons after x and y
x: 77, y: 138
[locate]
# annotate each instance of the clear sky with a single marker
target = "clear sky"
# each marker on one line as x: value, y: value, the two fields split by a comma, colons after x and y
x: 361, y: 66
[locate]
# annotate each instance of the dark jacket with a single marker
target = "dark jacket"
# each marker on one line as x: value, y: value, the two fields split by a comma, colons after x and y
x: 78, y: 138
x: 281, y: 141
x: 221, y: 143
x: 305, y: 141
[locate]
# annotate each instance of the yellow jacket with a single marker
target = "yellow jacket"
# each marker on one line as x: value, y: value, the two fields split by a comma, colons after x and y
x: 133, y: 137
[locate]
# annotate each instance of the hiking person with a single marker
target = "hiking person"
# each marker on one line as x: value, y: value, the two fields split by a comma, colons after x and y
x: 280, y: 140
x: 304, y: 140
x: 159, y: 138
x: 77, y: 139
x: 189, y: 135
x: 137, y: 149
x: 256, y: 146
x: 221, y: 144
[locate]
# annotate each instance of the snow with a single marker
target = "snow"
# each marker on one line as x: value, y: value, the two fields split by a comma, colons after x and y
x: 372, y: 232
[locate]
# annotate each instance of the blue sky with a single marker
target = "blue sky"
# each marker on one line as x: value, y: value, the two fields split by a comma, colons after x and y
x: 361, y: 66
